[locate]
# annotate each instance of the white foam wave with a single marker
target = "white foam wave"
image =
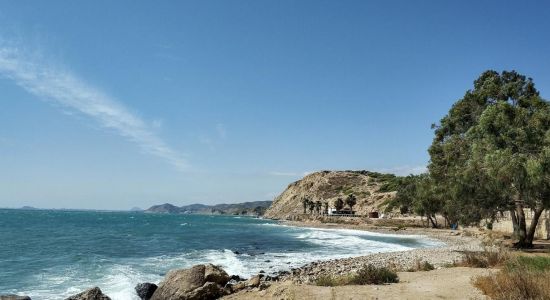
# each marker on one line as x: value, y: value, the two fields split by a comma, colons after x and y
x: 119, y: 278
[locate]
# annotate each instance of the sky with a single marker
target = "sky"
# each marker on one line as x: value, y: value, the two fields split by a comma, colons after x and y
x: 117, y: 104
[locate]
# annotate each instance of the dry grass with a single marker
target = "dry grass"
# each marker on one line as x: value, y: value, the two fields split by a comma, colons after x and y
x: 521, y: 278
x: 490, y: 256
x: 421, y: 266
x: 368, y: 274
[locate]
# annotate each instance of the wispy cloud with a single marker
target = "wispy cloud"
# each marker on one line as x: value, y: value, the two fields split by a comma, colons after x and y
x: 288, y: 174
x: 67, y: 91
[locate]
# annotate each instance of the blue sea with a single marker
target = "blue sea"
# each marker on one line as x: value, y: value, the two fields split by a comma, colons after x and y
x: 50, y: 254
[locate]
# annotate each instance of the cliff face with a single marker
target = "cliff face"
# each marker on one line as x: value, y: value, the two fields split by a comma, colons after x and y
x: 371, y: 189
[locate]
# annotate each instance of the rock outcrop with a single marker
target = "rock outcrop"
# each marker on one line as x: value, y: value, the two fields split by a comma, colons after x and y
x: 90, y: 294
x: 145, y: 290
x: 198, y: 282
x: 371, y: 189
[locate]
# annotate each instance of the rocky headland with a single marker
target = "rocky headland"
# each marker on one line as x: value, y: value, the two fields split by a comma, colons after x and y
x: 371, y: 189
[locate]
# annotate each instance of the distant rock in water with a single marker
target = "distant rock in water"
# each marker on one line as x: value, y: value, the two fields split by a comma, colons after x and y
x: 90, y: 294
x: 371, y: 189
x: 198, y: 282
x: 255, y: 208
x: 14, y: 297
x: 145, y: 290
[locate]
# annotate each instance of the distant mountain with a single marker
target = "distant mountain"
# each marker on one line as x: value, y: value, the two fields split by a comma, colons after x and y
x: 28, y: 208
x: 136, y: 209
x: 164, y: 208
x: 255, y: 208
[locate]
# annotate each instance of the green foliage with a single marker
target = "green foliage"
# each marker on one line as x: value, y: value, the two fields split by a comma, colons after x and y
x: 534, y: 263
x: 351, y: 200
x: 491, y: 153
x: 370, y: 274
x: 339, y: 204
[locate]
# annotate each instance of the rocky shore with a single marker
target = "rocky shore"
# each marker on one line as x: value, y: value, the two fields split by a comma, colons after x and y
x: 212, y: 282
x: 455, y: 244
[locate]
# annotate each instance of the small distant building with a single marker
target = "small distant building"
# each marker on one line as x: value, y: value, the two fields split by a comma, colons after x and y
x: 343, y: 212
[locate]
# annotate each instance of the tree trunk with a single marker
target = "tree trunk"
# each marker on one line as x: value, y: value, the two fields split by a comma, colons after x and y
x: 515, y: 224
x: 522, y: 226
x: 533, y: 226
x: 434, y: 225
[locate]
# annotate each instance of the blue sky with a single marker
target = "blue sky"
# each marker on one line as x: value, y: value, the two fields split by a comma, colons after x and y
x: 111, y: 105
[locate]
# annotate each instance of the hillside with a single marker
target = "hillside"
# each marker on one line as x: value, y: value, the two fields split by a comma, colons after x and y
x: 371, y: 189
x: 255, y: 208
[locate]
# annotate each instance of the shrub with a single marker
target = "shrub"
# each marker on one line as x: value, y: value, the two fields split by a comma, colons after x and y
x: 421, y: 266
x: 327, y: 280
x: 484, y: 259
x: 522, y: 278
x: 368, y: 274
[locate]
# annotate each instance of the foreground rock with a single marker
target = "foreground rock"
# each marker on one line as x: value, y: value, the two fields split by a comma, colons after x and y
x: 145, y: 290
x: 198, y: 282
x: 90, y: 294
x: 14, y: 297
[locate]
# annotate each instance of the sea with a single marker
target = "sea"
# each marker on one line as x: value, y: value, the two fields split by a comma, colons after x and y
x: 53, y: 254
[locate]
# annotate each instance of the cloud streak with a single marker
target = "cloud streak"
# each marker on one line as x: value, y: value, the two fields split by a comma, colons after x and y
x: 63, y: 88
x: 288, y: 174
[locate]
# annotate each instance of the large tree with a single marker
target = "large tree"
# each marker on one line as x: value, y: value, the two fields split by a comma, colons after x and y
x: 491, y: 153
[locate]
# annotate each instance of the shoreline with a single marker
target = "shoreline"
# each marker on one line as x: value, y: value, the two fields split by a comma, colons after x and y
x: 455, y: 243
x: 444, y: 282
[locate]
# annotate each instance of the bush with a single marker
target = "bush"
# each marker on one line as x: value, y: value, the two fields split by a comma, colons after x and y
x: 421, y: 266
x: 522, y: 278
x: 368, y: 274
x: 484, y: 259
x: 328, y: 280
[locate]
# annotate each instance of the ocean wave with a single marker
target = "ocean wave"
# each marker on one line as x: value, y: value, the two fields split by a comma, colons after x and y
x: 117, y: 276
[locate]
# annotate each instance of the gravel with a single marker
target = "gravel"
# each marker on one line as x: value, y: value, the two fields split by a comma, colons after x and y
x: 456, y: 242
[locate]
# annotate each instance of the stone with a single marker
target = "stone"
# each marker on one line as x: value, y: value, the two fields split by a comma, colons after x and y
x: 90, y: 294
x: 198, y: 282
x: 236, y: 278
x: 254, y: 281
x: 215, y: 274
x: 145, y: 290
x: 14, y: 297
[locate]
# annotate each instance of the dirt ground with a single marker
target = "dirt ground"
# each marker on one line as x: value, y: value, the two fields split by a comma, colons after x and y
x: 446, y: 283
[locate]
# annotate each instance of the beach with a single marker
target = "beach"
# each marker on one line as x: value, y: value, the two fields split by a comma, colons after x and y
x: 444, y: 282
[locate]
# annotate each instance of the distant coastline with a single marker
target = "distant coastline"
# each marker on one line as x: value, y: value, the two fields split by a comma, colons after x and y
x: 254, y: 208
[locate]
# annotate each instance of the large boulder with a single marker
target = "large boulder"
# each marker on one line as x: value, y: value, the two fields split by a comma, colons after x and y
x: 90, y: 294
x: 197, y: 282
x: 14, y: 297
x: 145, y: 290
